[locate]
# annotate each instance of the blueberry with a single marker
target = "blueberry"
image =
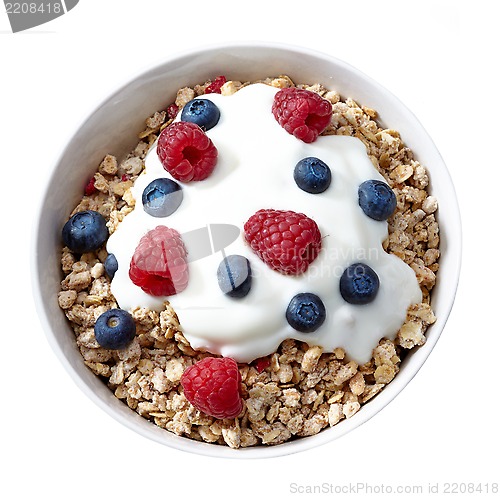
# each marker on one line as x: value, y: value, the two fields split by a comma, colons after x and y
x: 306, y: 312
x: 202, y: 112
x: 161, y: 197
x: 312, y: 175
x: 111, y: 265
x: 114, y: 329
x: 376, y: 199
x: 359, y: 284
x: 234, y: 276
x: 85, y: 231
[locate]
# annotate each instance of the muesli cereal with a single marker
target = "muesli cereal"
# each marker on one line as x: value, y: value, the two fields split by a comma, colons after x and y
x: 297, y: 390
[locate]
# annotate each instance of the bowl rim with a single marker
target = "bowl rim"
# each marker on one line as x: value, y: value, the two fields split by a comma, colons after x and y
x: 202, y: 448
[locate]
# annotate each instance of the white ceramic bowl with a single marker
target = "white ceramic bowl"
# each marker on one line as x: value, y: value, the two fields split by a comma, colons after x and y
x: 112, y: 128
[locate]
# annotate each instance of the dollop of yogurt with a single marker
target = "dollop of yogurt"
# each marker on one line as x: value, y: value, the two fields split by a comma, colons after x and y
x: 256, y: 161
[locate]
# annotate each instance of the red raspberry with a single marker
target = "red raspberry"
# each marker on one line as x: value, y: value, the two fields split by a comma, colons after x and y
x: 285, y: 240
x: 216, y: 85
x: 159, y: 264
x: 212, y: 385
x: 186, y: 152
x: 172, y: 111
x: 303, y: 113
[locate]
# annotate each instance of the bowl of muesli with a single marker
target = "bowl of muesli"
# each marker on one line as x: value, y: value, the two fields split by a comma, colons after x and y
x: 246, y: 257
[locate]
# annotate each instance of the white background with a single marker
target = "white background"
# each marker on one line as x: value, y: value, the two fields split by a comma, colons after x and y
x: 441, y: 58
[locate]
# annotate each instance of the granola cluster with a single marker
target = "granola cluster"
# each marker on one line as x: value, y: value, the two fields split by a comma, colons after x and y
x: 295, y: 392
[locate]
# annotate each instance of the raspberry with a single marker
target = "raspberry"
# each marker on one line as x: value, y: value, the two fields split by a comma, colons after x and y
x: 216, y: 85
x: 285, y: 240
x: 212, y: 385
x: 172, y: 111
x: 186, y: 152
x: 303, y: 113
x: 159, y: 264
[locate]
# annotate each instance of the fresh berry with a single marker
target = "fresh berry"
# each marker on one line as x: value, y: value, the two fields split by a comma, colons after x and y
x: 377, y: 199
x: 202, y: 112
x: 216, y: 85
x: 312, y: 175
x: 111, y: 265
x: 306, y: 312
x: 212, y: 385
x: 85, y: 231
x: 235, y: 276
x: 115, y: 329
x: 359, y: 284
x: 172, y: 111
x: 287, y: 241
x: 186, y: 152
x: 90, y: 187
x: 159, y: 264
x: 161, y: 197
x: 302, y: 113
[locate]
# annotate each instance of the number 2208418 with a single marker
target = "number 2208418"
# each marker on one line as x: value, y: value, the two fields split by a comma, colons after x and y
x: 33, y: 8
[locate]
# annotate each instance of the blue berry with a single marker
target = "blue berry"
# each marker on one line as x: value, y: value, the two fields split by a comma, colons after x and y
x: 162, y: 197
x: 202, y: 112
x: 234, y: 276
x: 115, y: 329
x: 377, y: 199
x: 359, y: 284
x: 111, y: 265
x: 312, y: 175
x: 306, y: 312
x: 85, y: 231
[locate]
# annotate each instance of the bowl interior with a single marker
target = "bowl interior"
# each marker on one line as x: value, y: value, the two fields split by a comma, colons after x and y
x: 113, y: 128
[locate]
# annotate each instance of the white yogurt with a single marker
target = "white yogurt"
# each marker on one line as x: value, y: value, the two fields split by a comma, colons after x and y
x: 254, y: 171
